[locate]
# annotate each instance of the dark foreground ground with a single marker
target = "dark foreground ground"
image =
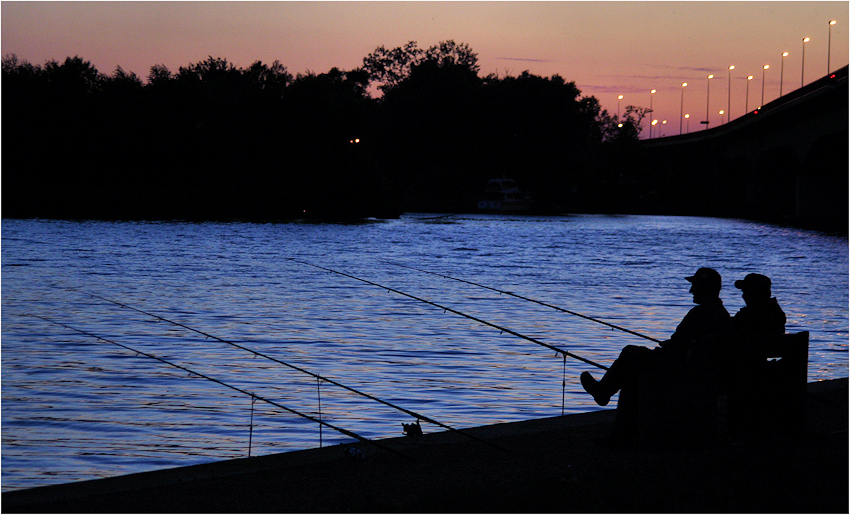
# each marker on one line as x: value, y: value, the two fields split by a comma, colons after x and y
x: 547, y: 465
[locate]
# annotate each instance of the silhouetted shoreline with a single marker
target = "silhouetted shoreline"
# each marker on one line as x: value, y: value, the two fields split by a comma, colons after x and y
x: 216, y: 142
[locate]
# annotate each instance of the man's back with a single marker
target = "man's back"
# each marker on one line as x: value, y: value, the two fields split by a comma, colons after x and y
x: 761, y: 319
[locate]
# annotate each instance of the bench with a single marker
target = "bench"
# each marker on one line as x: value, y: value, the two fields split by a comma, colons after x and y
x: 770, y: 398
x: 766, y: 394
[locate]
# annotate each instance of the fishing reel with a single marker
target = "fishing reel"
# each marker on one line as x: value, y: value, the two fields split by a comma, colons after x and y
x: 412, y: 429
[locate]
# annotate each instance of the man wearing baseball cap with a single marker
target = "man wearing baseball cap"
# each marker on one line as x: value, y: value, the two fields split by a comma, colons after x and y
x: 707, y: 318
x: 762, y: 314
x: 756, y: 324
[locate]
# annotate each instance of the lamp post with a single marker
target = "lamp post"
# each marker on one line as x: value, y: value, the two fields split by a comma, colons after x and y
x: 762, y: 84
x: 707, y: 88
x: 721, y: 116
x: 682, y: 106
x: 747, y: 97
x: 803, y: 68
x: 829, y: 45
x: 782, y: 71
x: 650, y: 113
x: 729, y: 92
x: 618, y: 106
x: 688, y: 125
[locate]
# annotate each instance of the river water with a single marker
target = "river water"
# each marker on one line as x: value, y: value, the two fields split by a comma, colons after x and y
x: 78, y: 406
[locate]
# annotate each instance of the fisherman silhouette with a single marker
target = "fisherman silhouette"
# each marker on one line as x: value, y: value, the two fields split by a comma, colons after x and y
x: 707, y: 318
x: 755, y: 325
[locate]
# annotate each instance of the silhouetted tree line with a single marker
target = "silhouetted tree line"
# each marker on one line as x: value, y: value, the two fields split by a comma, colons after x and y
x: 215, y: 141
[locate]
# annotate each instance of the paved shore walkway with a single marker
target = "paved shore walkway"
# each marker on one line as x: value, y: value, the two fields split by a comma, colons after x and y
x: 547, y: 465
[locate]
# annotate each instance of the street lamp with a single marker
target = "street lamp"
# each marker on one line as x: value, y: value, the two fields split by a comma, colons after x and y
x: 747, y: 107
x: 782, y: 71
x: 803, y: 69
x: 688, y: 125
x: 618, y: 106
x: 650, y: 113
x: 829, y: 45
x: 729, y: 91
x: 707, y: 87
x: 762, y: 84
x: 721, y: 116
x: 682, y: 106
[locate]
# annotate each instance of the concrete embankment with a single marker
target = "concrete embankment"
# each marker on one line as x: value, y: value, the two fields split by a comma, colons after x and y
x: 546, y: 465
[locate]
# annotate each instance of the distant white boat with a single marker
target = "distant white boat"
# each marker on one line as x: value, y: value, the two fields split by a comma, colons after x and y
x: 504, y: 196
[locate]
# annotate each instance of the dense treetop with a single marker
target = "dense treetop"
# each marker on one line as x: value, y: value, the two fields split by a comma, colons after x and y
x: 212, y: 140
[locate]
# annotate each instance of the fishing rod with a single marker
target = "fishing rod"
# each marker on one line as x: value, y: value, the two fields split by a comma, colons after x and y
x: 294, y: 367
x: 253, y: 396
x: 456, y: 312
x: 530, y: 300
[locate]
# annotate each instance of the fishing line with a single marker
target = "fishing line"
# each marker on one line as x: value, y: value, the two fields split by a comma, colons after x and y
x: 251, y: 427
x: 253, y: 396
x: 319, y: 393
x: 294, y: 367
x: 444, y: 308
x: 564, y: 388
x: 528, y: 299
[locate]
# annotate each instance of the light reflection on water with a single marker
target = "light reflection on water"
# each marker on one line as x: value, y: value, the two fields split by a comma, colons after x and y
x: 75, y: 408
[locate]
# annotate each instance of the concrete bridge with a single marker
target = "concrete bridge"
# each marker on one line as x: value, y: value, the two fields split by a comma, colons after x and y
x: 786, y: 160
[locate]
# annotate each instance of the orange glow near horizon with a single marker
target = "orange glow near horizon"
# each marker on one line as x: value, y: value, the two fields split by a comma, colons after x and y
x: 595, y: 44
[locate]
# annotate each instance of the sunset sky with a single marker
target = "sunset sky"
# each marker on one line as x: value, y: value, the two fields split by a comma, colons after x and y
x: 607, y: 48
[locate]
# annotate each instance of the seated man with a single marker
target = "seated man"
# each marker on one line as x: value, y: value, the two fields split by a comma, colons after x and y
x: 707, y: 318
x: 754, y: 325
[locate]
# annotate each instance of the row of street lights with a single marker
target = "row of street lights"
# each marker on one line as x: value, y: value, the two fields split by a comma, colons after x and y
x: 728, y: 111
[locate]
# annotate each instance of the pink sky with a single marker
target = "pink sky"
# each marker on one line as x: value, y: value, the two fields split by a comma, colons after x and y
x: 607, y: 48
